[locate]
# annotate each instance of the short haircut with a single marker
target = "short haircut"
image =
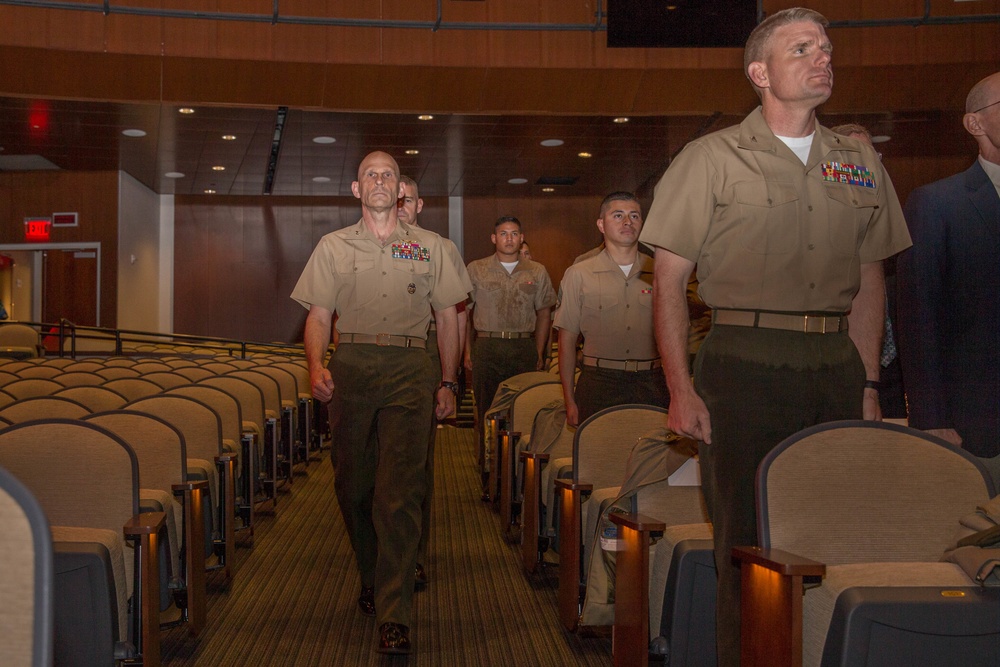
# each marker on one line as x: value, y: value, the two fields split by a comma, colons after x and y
x: 412, y: 183
x: 847, y: 129
x: 757, y: 43
x: 506, y: 218
x: 621, y: 195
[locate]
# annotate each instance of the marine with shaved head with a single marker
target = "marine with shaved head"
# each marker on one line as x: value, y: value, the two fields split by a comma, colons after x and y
x: 383, y: 280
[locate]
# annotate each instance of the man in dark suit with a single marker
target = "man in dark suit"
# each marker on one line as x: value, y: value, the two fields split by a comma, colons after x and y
x: 949, y: 292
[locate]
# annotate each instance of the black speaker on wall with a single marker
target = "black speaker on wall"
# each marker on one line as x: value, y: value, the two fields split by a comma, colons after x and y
x: 680, y: 23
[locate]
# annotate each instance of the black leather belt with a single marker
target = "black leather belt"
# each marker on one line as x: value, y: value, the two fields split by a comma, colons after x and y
x: 784, y: 321
x: 384, y: 340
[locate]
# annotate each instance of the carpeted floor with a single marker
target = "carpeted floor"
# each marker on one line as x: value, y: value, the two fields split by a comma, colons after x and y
x: 293, y: 598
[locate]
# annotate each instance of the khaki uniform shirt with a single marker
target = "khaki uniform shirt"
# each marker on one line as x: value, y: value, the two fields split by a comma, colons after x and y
x: 614, y: 313
x: 378, y: 288
x: 451, y: 252
x: 507, y: 302
x: 769, y: 233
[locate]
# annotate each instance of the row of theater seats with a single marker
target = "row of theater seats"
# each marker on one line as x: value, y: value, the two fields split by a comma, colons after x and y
x: 178, y: 450
x: 855, y: 518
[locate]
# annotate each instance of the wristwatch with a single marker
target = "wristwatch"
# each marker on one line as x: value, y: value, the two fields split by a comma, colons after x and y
x: 451, y: 386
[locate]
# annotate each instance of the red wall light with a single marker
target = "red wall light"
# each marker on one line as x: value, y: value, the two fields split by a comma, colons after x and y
x: 36, y: 230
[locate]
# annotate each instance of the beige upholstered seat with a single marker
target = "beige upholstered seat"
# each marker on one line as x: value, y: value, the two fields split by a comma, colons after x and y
x: 39, y: 371
x: 116, y: 372
x: 58, y: 362
x: 79, y: 379
x: 144, y: 367
x: 166, y: 379
x: 193, y: 373
x: 95, y: 399
x: 30, y: 387
x: 26, y: 614
x: 133, y: 388
x: 43, y: 407
x: 20, y: 341
x: 878, y: 504
x: 83, y: 367
x: 85, y: 477
x: 6, y: 378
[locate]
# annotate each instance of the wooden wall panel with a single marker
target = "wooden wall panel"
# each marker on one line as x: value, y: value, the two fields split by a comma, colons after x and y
x: 135, y: 34
x: 104, y: 76
x: 94, y: 195
x: 237, y: 39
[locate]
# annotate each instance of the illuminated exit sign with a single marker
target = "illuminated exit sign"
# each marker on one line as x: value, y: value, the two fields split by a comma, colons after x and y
x: 36, y: 230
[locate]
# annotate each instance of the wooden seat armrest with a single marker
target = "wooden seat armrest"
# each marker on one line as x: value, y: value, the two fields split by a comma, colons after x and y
x: 570, y: 485
x: 631, y: 636
x: 190, y: 486
x: 776, y: 560
x: 542, y: 457
x: 144, y: 529
x: 638, y: 522
x: 145, y: 524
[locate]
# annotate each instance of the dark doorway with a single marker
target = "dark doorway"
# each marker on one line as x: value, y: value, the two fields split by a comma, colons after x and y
x: 69, y: 286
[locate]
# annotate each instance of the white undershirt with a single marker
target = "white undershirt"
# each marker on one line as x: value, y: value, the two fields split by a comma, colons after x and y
x: 509, y: 266
x: 626, y: 268
x: 799, y: 145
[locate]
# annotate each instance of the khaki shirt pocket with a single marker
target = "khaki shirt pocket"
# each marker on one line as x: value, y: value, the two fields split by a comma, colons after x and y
x: 598, y: 301
x: 768, y: 213
x: 411, y: 272
x: 851, y: 209
x: 365, y: 280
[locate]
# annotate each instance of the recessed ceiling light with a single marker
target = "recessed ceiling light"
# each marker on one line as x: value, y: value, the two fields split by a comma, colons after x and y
x: 218, y: 167
x: 133, y: 133
x: 186, y: 110
x: 174, y: 174
x: 425, y: 117
x: 229, y: 137
x: 323, y: 140
x: 584, y: 154
x: 548, y: 189
x: 552, y: 142
x: 518, y: 181
x: 413, y: 151
x: 621, y: 119
x: 880, y: 138
x: 209, y: 192
x: 321, y: 179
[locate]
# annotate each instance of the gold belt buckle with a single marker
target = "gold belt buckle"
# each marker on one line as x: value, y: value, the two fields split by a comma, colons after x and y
x: 382, y: 339
x: 815, y: 324
x: 634, y: 368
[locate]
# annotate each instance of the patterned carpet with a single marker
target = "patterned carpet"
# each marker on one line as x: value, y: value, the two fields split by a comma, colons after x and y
x: 293, y: 598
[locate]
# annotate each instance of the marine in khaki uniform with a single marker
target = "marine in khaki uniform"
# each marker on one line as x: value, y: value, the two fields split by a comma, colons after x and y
x: 609, y: 300
x: 383, y: 280
x: 408, y: 208
x: 511, y: 315
x: 788, y: 224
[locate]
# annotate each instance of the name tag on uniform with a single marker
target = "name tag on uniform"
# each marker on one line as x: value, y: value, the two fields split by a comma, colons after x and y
x: 851, y: 174
x: 407, y: 250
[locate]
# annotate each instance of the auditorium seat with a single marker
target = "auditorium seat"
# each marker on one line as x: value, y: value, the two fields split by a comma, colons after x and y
x: 133, y: 388
x: 86, y: 480
x: 281, y: 468
x: 31, y: 387
x: 78, y: 378
x: 26, y: 586
x: 58, y: 362
x: 291, y: 432
x: 83, y: 366
x: 39, y: 371
x: 867, y: 510
x: 42, y: 407
x: 20, y: 341
x: 312, y: 417
x: 165, y: 379
x: 95, y: 399
x: 146, y: 366
x: 116, y: 372
x: 162, y: 454
x: 600, y: 453
x: 7, y: 378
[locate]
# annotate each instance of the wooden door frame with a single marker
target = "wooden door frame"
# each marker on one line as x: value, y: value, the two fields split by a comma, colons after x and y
x: 76, y: 245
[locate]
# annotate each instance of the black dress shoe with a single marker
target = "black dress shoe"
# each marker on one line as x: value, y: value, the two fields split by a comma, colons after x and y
x: 419, y: 578
x: 393, y: 638
x: 366, y: 601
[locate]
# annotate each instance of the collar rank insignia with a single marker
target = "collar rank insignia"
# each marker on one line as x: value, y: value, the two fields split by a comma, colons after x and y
x: 851, y: 174
x: 409, y: 250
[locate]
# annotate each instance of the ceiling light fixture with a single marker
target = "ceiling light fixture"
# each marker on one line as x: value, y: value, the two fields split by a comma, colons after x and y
x: 880, y: 138
x: 518, y: 181
x: 413, y: 151
x: 321, y: 179
x: 584, y: 154
x: 218, y: 167
x: 552, y: 142
x: 425, y: 116
x: 133, y: 133
x: 323, y: 140
x: 229, y: 137
x: 174, y: 174
x: 548, y: 189
x: 209, y: 192
x: 621, y: 119
x: 187, y: 111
